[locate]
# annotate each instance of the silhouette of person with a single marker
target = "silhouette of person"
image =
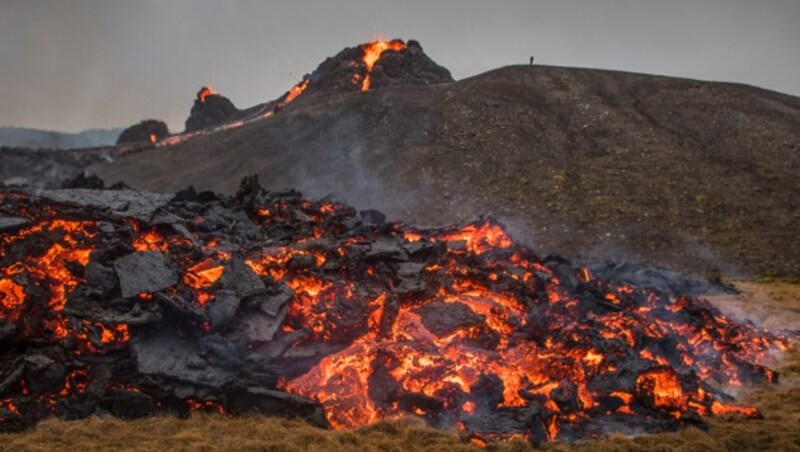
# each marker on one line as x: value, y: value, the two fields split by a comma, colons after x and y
x: 531, y: 61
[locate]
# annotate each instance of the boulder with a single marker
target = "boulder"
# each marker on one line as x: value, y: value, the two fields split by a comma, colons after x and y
x: 151, y: 130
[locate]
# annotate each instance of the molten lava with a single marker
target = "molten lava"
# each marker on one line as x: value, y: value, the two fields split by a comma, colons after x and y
x: 372, y: 53
x: 460, y: 325
x: 204, y: 92
x: 296, y: 91
x: 361, y: 77
x: 203, y: 274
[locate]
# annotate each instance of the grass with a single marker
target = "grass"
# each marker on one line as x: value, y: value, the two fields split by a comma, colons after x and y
x: 777, y: 305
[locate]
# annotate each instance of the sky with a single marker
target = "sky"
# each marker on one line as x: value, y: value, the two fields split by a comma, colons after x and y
x: 71, y: 65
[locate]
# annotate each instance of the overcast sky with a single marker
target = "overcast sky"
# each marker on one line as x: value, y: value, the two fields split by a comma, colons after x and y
x: 75, y: 64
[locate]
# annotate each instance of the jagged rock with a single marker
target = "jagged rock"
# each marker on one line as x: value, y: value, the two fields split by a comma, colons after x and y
x: 209, y: 110
x: 372, y: 217
x: 241, y: 279
x: 100, y: 277
x: 410, y: 66
x: 660, y: 279
x: 308, y: 295
x: 270, y: 402
x: 151, y: 130
x: 84, y: 180
x: 222, y: 309
x: 118, y: 203
x: 135, y: 317
x: 346, y: 70
x: 272, y: 302
x: 145, y: 272
x: 256, y: 326
x: 12, y: 223
x: 445, y: 318
x: 132, y: 405
x: 43, y: 372
x: 163, y: 352
x: 387, y: 249
x: 410, y: 276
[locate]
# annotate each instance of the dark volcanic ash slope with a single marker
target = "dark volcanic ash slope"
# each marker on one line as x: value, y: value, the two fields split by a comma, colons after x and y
x: 690, y: 174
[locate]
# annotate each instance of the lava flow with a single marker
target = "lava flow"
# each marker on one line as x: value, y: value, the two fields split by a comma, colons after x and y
x: 204, y: 92
x: 273, y: 303
x: 359, y: 62
x: 295, y: 91
x: 372, y: 53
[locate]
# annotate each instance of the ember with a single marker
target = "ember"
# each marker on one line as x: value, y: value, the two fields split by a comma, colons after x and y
x: 271, y: 303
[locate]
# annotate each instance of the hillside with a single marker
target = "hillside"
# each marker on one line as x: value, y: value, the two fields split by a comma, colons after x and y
x: 50, y: 139
x: 695, y: 175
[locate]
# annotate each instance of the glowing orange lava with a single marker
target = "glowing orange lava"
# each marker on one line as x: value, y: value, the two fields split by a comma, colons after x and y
x: 456, y: 325
x: 296, y: 91
x: 203, y: 274
x: 204, y: 92
x: 372, y: 53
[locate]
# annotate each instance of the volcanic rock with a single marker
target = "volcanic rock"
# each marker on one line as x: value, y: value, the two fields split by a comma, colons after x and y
x: 144, y: 273
x: 275, y: 300
x: 660, y: 279
x: 372, y: 217
x: 6, y: 330
x: 164, y: 353
x: 387, y: 249
x: 117, y: 203
x: 44, y: 168
x: 100, y: 277
x: 410, y: 276
x: 222, y: 309
x: 256, y: 326
x: 11, y: 223
x: 303, y: 301
x: 278, y: 403
x: 347, y: 70
x: 410, y: 66
x: 443, y: 319
x: 43, y: 372
x: 84, y: 180
x: 241, y: 279
x: 210, y: 109
x: 151, y: 130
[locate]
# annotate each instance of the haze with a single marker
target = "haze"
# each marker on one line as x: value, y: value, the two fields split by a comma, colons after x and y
x: 108, y: 63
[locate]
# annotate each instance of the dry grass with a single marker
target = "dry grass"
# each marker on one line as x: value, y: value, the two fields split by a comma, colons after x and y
x: 777, y: 305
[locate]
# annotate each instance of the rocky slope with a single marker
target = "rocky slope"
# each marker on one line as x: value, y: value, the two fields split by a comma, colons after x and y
x: 696, y: 175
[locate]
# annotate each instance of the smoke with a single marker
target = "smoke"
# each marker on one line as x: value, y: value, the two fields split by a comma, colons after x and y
x: 357, y: 173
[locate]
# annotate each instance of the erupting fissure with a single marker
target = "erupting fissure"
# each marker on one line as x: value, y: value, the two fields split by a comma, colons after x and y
x: 349, y: 70
x: 204, y: 92
x: 372, y: 53
x: 460, y: 325
x: 296, y: 91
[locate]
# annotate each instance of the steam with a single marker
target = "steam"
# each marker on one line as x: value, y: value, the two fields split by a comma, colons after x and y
x: 358, y: 173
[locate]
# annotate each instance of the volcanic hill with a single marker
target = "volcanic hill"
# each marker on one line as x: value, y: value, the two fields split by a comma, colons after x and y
x: 698, y: 175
